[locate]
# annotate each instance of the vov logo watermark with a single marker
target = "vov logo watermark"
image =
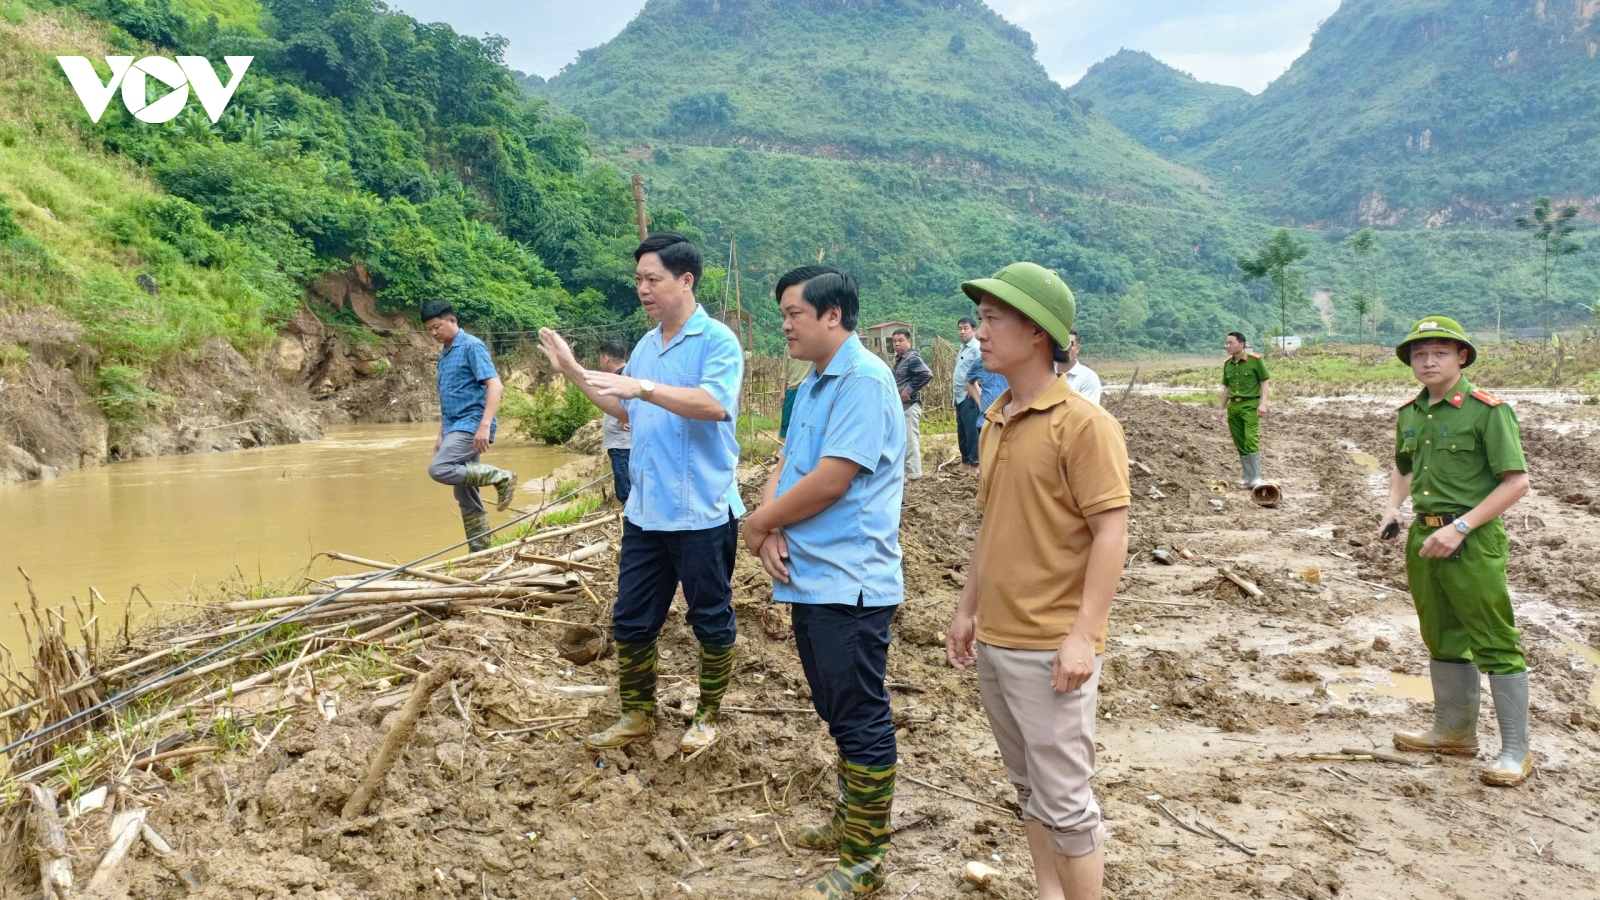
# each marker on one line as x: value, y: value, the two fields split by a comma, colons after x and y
x: 132, y: 77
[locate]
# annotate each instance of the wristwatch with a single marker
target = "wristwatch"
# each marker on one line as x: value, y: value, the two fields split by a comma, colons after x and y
x: 1463, y: 527
x: 647, y: 389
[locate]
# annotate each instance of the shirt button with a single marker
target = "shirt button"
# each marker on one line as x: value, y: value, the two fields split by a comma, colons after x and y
x: 1452, y: 446
x: 1427, y: 442
x: 1424, y: 493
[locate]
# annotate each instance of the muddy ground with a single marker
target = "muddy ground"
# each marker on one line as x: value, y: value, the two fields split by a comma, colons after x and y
x: 1208, y: 698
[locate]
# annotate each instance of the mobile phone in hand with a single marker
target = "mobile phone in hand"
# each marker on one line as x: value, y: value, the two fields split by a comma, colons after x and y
x: 1391, y: 531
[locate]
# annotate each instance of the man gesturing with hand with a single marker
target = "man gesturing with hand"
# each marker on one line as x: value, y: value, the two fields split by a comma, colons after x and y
x: 1053, y: 486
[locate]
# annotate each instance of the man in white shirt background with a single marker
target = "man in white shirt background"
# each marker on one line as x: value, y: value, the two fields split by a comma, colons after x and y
x: 1080, y: 377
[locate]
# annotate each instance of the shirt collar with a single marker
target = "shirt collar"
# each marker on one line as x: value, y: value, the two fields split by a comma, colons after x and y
x: 695, y: 324
x: 844, y: 359
x: 1054, y: 395
x: 1455, y: 396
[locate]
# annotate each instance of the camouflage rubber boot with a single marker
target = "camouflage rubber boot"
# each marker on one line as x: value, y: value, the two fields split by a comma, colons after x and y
x: 477, y: 528
x: 869, y: 796
x: 716, y: 670
x: 1455, y: 713
x: 636, y: 684
x: 825, y: 837
x: 503, y: 482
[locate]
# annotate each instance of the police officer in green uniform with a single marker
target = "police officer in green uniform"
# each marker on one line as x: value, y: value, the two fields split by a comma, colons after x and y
x: 1458, y: 456
x: 1244, y: 401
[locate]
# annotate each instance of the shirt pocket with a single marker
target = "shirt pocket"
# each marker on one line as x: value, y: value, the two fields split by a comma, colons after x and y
x: 1457, y: 456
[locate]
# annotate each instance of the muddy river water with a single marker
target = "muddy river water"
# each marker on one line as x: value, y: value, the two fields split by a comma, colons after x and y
x: 179, y: 525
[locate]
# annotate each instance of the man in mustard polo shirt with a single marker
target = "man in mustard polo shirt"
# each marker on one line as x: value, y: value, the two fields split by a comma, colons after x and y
x: 1053, y: 486
x: 1458, y: 455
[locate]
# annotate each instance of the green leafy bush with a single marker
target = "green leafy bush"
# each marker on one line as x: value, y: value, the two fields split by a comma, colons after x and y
x: 548, y: 415
x: 123, y: 396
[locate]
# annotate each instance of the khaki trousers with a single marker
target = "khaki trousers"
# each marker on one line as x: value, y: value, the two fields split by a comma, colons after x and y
x: 914, y: 441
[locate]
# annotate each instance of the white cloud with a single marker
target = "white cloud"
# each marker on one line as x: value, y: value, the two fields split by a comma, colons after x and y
x: 1240, y: 42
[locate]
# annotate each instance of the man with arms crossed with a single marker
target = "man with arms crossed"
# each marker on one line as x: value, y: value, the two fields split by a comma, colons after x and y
x: 469, y: 395
x: 1458, y: 455
x: 911, y: 374
x: 680, y: 392
x: 1032, y: 615
x: 828, y: 532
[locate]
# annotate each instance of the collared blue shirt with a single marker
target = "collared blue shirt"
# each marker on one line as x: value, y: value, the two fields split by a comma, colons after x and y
x: 968, y: 354
x: 685, y: 472
x: 851, y: 549
x: 464, y: 366
x: 990, y: 384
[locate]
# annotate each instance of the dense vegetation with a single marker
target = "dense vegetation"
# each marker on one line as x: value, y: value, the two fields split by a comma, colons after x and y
x: 1153, y: 102
x: 359, y: 135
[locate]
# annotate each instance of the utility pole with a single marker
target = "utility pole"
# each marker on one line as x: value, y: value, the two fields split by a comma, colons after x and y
x: 638, y: 207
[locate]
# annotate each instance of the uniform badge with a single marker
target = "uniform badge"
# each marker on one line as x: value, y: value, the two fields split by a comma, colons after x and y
x: 1410, y: 432
x: 1456, y: 398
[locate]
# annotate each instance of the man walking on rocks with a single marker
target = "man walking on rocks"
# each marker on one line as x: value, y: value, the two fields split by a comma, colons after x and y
x: 1244, y: 402
x: 680, y: 392
x: 828, y: 532
x: 1458, y: 455
x: 469, y: 396
x: 911, y: 375
x: 1054, y: 492
x: 969, y: 416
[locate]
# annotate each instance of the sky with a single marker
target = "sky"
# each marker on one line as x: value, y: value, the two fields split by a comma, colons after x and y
x: 1245, y: 43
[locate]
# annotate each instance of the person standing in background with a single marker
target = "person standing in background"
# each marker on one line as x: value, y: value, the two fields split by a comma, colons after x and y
x: 911, y: 375
x: 469, y: 396
x: 969, y: 416
x: 616, y: 435
x: 1244, y: 402
x: 1083, y: 379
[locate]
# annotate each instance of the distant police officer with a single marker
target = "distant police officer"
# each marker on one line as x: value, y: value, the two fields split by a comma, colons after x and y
x: 1458, y: 455
x: 1244, y: 401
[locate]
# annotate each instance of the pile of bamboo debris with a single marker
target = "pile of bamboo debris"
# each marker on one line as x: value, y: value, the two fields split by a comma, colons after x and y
x: 379, y: 620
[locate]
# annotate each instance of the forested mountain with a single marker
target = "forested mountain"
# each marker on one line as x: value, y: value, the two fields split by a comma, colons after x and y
x: 1402, y: 113
x: 1153, y: 102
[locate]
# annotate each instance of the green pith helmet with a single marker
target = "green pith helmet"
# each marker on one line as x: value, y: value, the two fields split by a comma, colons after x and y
x: 1034, y: 291
x: 1436, y: 327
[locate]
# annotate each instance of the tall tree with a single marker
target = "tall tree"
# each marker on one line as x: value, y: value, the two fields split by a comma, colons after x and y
x: 1365, y: 247
x: 1275, y: 263
x: 1554, y: 235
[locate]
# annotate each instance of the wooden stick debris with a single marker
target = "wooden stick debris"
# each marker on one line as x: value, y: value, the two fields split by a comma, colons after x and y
x: 1385, y: 756
x: 170, y: 755
x: 125, y: 830
x: 683, y: 844
x: 418, y: 573
x: 399, y: 735
x: 50, y: 843
x: 956, y: 794
x: 532, y: 538
x: 559, y: 562
x: 1126, y: 599
x: 1244, y: 584
x: 1347, y: 838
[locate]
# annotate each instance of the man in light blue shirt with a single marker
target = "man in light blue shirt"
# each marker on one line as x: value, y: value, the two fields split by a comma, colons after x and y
x: 828, y: 532
x: 969, y: 418
x: 989, y: 385
x: 680, y: 393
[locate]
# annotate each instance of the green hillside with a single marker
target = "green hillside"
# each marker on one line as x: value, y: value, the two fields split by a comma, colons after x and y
x: 1421, y: 113
x: 1153, y: 102
x: 357, y: 136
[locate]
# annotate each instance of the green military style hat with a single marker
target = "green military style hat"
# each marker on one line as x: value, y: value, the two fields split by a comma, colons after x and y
x: 1034, y: 291
x: 1436, y: 328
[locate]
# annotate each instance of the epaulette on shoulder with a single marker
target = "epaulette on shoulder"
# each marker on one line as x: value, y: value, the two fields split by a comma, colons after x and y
x: 1255, y: 356
x: 1487, y: 397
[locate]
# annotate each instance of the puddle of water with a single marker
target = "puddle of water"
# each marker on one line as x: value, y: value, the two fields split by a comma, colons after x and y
x: 1394, y: 684
x: 176, y: 522
x: 1592, y: 657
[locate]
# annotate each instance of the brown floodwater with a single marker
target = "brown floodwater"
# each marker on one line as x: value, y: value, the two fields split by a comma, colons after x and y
x: 177, y: 526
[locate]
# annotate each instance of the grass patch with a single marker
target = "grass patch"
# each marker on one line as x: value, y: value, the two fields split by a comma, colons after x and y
x: 1191, y: 397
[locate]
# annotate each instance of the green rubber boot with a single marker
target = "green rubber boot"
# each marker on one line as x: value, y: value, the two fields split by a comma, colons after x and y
x: 1455, y: 713
x: 636, y: 685
x: 716, y: 670
x: 869, y: 796
x: 825, y: 837
x: 503, y: 482
x: 1515, y: 762
x: 477, y: 528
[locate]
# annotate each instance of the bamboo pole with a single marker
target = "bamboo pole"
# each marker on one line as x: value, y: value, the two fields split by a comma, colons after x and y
x: 512, y: 545
x: 374, y: 564
x: 355, y: 598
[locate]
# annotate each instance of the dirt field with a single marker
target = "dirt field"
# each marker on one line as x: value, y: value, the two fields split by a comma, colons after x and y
x: 1207, y: 700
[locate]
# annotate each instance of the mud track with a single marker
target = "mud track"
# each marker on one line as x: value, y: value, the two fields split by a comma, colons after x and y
x: 1207, y: 700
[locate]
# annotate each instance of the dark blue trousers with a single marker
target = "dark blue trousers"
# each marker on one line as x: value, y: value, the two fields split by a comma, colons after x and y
x: 844, y: 651
x: 619, y: 474
x: 654, y: 563
x: 969, y: 420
